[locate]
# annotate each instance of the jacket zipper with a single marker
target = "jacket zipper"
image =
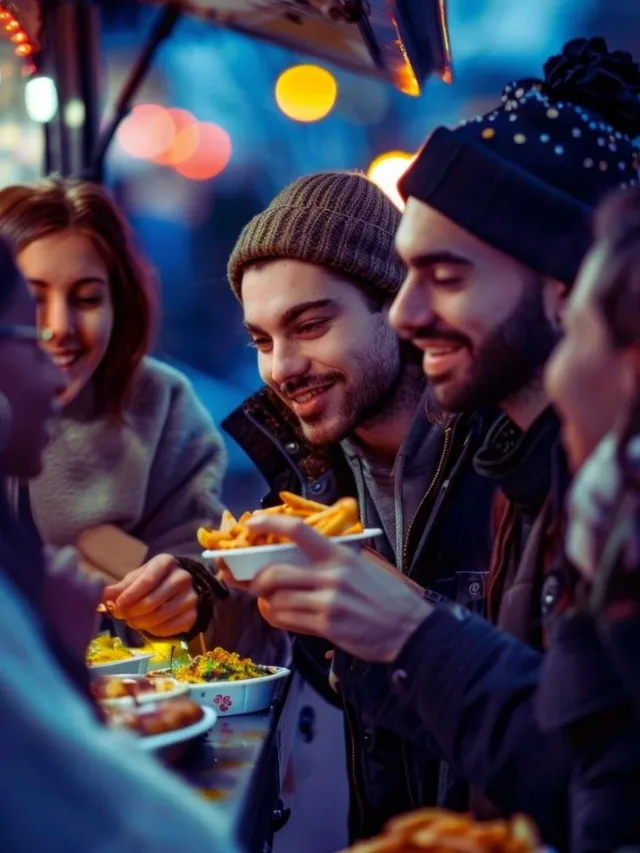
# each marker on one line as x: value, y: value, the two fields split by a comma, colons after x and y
x: 352, y: 767
x: 427, y: 494
x: 436, y: 477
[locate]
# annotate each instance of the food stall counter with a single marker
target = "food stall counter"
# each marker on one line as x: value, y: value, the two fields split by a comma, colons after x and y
x: 241, y: 763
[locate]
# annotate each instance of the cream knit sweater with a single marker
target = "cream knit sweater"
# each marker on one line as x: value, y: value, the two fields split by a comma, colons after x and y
x: 157, y: 477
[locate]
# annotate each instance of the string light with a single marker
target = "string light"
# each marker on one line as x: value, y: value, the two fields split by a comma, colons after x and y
x: 12, y: 28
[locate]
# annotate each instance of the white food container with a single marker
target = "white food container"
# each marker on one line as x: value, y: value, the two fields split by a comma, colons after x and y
x: 136, y: 665
x: 229, y: 698
x: 179, y: 689
x: 245, y: 563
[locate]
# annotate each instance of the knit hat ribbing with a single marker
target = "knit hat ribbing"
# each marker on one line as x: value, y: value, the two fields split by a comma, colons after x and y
x: 339, y: 220
x: 525, y: 177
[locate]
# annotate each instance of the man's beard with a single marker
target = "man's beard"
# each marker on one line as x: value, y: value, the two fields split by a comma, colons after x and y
x: 370, y: 394
x: 510, y: 361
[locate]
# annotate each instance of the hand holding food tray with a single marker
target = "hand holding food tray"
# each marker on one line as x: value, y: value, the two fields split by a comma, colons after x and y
x: 246, y: 552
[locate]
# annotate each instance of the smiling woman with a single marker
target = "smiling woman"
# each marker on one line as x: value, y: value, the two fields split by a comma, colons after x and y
x: 92, y: 289
x: 135, y: 463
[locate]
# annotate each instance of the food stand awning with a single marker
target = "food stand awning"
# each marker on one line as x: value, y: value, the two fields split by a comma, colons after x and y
x: 401, y: 42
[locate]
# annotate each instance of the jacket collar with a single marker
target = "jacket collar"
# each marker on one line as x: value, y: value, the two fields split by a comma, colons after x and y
x: 270, y: 435
x: 521, y: 463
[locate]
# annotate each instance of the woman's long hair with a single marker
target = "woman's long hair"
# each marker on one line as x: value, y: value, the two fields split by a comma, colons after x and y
x: 32, y: 212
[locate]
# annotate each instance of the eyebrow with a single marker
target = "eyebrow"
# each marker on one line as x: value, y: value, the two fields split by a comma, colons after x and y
x: 295, y: 312
x: 429, y: 259
x: 90, y: 279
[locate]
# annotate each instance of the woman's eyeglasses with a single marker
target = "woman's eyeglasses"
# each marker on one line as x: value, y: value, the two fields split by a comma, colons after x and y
x: 26, y: 333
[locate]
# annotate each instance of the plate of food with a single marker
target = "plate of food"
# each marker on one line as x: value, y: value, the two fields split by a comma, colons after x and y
x: 126, y: 691
x: 169, y: 727
x: 439, y: 831
x: 246, y: 552
x: 230, y: 684
x: 109, y: 655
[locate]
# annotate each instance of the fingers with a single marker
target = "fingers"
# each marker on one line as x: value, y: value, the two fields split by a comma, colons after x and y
x: 314, y: 545
x: 115, y: 590
x: 301, y: 611
x: 175, y: 616
x: 223, y: 574
x: 296, y: 622
x: 180, y: 622
x: 147, y: 579
x: 178, y: 585
x: 285, y: 576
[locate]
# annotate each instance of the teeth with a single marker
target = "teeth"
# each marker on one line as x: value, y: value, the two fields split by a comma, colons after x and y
x: 436, y: 351
x: 308, y: 395
x: 64, y: 360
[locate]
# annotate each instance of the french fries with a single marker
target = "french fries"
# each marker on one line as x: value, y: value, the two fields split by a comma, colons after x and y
x: 339, y: 519
x: 440, y: 831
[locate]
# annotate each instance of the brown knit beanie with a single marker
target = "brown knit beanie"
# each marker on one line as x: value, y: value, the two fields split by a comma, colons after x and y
x: 339, y: 220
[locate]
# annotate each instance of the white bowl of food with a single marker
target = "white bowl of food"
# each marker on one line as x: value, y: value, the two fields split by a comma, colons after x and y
x: 246, y: 563
x: 107, y: 655
x: 169, y: 729
x: 134, y: 665
x: 229, y: 698
x: 229, y: 683
x: 127, y: 691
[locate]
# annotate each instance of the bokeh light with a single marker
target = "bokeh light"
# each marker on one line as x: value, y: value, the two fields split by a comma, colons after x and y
x: 41, y: 99
x: 147, y: 131
x: 185, y: 139
x: 74, y: 113
x: 210, y: 156
x: 386, y: 170
x: 306, y: 93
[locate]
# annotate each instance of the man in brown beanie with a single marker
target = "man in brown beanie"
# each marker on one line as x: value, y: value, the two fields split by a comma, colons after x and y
x: 496, y: 225
x: 343, y: 413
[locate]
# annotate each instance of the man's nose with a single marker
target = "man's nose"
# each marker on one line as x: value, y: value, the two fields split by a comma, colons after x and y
x: 287, y: 363
x: 411, y: 309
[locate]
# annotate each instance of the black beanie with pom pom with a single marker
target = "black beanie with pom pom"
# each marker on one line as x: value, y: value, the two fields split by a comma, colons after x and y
x: 526, y: 177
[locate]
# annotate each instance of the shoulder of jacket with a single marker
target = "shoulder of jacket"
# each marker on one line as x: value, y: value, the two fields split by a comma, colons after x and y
x: 158, y: 375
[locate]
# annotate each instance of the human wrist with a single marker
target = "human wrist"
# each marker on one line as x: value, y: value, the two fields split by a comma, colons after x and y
x: 207, y: 590
x: 410, y: 623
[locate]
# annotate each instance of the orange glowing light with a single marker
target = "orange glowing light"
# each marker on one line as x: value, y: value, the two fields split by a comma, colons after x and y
x: 211, y: 155
x: 16, y: 33
x: 306, y: 93
x: 147, y: 131
x: 386, y: 170
x: 185, y: 139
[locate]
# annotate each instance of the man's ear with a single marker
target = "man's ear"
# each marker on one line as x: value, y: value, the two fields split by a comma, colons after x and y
x: 555, y: 295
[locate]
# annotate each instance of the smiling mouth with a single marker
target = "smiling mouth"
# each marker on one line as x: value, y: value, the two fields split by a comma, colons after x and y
x: 440, y: 358
x: 305, y: 396
x: 66, y: 360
